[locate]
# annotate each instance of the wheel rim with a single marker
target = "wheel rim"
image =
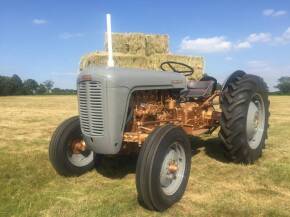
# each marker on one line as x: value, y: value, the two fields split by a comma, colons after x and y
x: 77, y: 153
x: 255, y: 121
x: 173, y: 169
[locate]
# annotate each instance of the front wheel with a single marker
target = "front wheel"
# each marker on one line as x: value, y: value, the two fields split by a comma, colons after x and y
x: 67, y: 150
x: 163, y: 168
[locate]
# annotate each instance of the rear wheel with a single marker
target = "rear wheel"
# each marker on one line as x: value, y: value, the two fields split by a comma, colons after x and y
x: 163, y: 168
x: 244, y: 122
x: 67, y: 150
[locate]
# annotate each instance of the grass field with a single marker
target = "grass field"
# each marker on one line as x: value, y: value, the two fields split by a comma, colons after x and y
x: 30, y: 187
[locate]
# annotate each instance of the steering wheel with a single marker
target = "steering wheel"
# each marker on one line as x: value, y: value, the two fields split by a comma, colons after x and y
x: 188, y: 70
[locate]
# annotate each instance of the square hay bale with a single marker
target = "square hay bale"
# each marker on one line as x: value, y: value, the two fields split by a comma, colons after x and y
x: 156, y: 44
x: 143, y: 51
x: 139, y: 43
x: 127, y: 43
x: 121, y: 60
x: 143, y: 62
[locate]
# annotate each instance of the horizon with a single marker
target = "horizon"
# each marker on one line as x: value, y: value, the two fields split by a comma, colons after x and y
x: 45, y: 40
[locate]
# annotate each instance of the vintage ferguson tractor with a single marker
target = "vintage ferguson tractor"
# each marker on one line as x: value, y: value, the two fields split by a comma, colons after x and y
x: 153, y: 113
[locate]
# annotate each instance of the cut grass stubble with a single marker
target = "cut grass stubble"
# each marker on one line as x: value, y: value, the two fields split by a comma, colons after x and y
x: 30, y: 187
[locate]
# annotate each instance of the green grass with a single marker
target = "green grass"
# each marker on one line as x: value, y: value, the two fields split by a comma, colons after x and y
x: 29, y: 186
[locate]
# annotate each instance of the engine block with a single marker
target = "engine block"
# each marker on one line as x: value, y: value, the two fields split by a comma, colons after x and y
x: 150, y: 109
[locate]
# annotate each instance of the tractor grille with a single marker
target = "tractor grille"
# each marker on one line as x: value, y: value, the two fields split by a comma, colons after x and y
x: 91, y: 108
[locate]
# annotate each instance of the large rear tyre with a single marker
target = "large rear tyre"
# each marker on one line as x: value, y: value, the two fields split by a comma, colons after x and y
x: 163, y: 168
x: 67, y: 151
x: 244, y: 122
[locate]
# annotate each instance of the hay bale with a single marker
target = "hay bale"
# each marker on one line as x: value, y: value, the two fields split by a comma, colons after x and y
x: 121, y: 60
x: 137, y: 50
x: 156, y: 44
x: 142, y: 62
x: 138, y: 43
x: 127, y: 43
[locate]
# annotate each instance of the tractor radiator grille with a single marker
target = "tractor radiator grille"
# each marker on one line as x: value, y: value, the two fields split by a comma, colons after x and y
x: 91, y: 108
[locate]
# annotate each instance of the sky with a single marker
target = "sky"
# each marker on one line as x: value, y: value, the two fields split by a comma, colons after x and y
x: 45, y: 39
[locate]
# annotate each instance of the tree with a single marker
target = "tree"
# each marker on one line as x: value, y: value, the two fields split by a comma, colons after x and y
x: 5, y: 86
x: 10, y: 85
x: 30, y: 86
x: 59, y: 91
x: 41, y: 89
x: 284, y: 84
x: 49, y: 85
x: 16, y: 85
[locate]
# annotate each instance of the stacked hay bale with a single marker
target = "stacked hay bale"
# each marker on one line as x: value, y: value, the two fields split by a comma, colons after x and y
x: 144, y: 51
x: 156, y: 44
x: 126, y: 43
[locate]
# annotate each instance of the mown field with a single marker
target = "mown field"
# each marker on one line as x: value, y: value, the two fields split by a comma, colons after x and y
x: 30, y: 187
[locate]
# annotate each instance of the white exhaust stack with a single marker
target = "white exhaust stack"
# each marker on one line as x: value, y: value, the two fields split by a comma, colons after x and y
x: 110, y: 62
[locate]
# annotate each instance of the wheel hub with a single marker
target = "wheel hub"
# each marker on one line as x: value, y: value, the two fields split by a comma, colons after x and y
x: 78, y: 146
x: 78, y: 154
x: 173, y: 169
x: 255, y: 121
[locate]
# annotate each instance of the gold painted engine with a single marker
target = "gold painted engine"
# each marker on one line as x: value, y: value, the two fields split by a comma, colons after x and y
x: 150, y: 109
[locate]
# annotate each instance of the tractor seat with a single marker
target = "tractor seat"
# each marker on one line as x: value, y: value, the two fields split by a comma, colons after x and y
x: 198, y: 89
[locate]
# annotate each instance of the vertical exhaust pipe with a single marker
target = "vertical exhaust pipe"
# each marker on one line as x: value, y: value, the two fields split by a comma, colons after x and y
x: 110, y: 62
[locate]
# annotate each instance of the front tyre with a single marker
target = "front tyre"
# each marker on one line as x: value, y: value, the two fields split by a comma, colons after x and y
x: 163, y: 168
x: 244, y: 122
x: 67, y: 151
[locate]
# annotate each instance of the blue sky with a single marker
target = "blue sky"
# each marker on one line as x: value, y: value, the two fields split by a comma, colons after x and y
x: 45, y: 39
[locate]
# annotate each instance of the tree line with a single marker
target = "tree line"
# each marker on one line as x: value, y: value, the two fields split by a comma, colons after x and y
x: 15, y: 86
x: 284, y: 85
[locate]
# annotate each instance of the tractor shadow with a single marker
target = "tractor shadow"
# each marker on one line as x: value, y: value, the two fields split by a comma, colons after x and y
x: 212, y: 148
x: 117, y: 167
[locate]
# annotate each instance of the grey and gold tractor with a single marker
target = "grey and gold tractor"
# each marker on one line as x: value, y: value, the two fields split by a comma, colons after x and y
x: 153, y: 114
